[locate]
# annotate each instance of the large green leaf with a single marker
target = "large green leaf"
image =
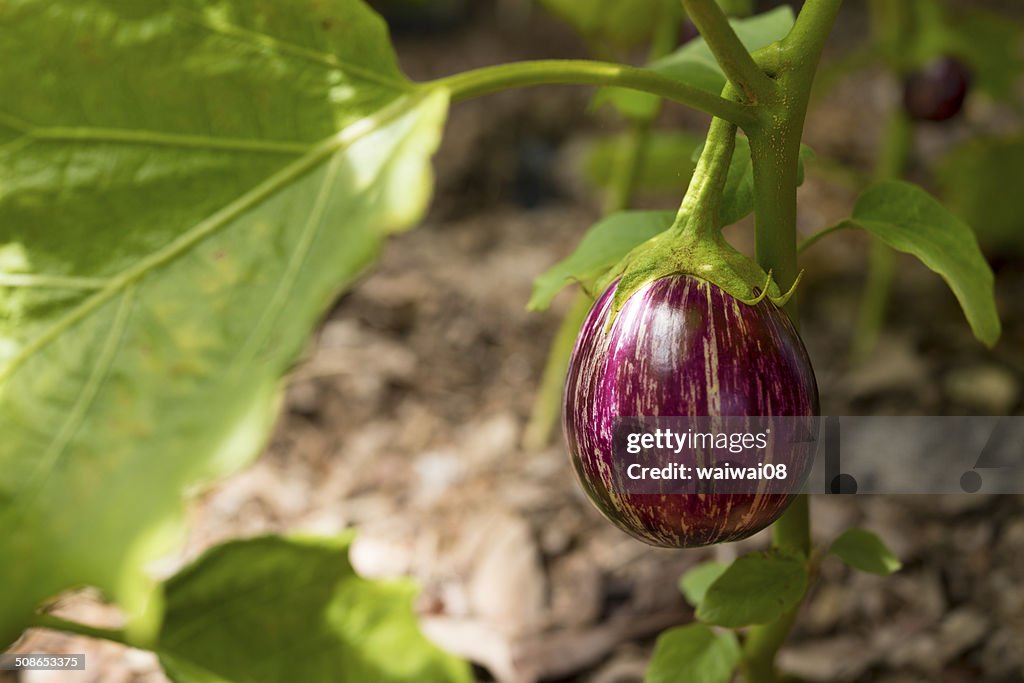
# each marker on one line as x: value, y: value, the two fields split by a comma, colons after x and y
x: 693, y: 654
x: 601, y: 248
x: 184, y: 187
x: 910, y: 220
x: 293, y: 610
x: 981, y: 183
x: 755, y: 589
x: 695, y: 65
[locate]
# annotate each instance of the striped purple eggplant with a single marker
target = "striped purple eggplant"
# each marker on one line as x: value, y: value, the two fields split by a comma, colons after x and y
x: 681, y: 346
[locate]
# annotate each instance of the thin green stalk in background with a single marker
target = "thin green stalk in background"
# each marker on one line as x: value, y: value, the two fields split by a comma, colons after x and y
x: 547, y: 405
x: 890, y: 23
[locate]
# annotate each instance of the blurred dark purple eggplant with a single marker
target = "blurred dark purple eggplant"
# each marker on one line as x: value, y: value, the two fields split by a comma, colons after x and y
x: 936, y: 92
x: 681, y: 346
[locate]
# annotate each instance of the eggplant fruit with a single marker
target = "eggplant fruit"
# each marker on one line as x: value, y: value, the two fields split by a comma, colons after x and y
x: 937, y: 91
x: 681, y: 346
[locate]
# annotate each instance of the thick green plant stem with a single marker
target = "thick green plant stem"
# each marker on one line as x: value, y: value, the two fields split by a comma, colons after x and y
x: 775, y: 144
x: 775, y: 150
x: 491, y: 79
x: 737, y: 64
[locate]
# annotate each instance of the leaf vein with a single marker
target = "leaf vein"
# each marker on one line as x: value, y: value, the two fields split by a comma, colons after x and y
x: 298, y: 257
x: 256, y: 39
x: 211, y: 225
x: 39, y: 281
x: 157, y: 138
x: 91, y: 387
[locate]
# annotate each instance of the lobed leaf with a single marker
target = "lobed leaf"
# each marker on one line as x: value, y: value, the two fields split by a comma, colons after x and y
x: 184, y: 188
x: 693, y: 654
x: 294, y: 610
x: 865, y: 551
x: 755, y: 589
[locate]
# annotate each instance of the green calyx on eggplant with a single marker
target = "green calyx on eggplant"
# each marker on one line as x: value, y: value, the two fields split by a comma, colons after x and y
x: 694, y: 245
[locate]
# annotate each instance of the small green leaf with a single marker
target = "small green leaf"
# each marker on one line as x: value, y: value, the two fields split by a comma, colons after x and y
x: 602, y: 247
x: 910, y: 220
x: 695, y: 583
x: 667, y: 163
x: 755, y: 589
x: 695, y: 65
x: 865, y: 551
x: 293, y: 610
x: 693, y: 654
x: 980, y: 182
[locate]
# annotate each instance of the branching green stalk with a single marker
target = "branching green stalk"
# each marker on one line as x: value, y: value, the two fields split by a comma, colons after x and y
x: 775, y: 150
x: 491, y: 79
x: 737, y: 64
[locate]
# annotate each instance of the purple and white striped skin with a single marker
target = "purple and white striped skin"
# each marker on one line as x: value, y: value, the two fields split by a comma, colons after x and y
x: 681, y: 346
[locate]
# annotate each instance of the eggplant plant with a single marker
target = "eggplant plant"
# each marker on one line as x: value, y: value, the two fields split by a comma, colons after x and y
x: 186, y: 186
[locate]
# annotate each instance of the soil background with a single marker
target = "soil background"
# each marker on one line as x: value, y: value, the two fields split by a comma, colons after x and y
x: 405, y: 418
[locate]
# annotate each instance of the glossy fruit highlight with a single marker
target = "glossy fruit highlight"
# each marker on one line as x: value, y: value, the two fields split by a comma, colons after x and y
x: 681, y: 346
